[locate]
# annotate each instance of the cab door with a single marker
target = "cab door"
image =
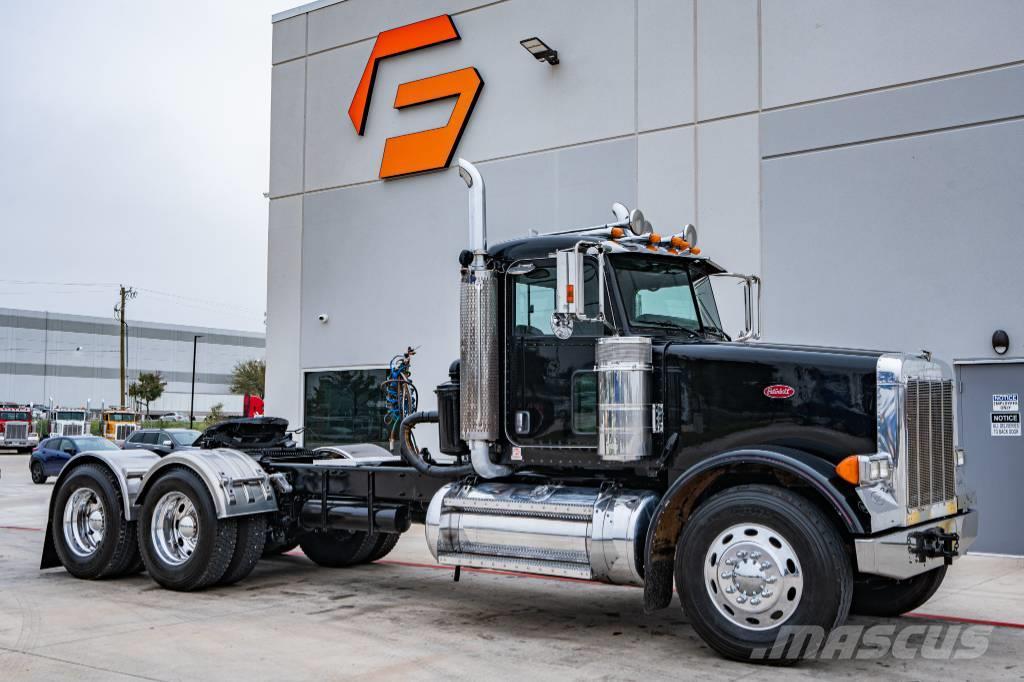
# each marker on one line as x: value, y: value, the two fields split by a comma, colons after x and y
x: 552, y: 386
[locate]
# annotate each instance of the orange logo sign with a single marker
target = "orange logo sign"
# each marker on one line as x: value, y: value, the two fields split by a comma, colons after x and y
x: 427, y: 149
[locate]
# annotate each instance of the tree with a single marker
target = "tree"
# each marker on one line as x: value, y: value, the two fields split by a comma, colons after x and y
x: 216, y: 414
x: 148, y: 387
x: 248, y: 378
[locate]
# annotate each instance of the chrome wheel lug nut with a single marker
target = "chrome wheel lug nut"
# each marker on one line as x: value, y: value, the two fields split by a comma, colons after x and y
x: 771, y: 580
x: 754, y: 601
x: 766, y: 564
x: 729, y: 562
x: 727, y: 574
x: 730, y: 589
x: 741, y: 555
x: 766, y: 593
x: 741, y: 599
x: 755, y: 555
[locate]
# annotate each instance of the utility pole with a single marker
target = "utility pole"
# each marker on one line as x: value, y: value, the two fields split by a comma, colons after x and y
x: 192, y: 404
x: 127, y: 293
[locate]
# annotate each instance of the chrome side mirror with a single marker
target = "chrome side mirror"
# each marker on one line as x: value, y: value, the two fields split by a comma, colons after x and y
x: 570, y: 288
x: 751, y: 305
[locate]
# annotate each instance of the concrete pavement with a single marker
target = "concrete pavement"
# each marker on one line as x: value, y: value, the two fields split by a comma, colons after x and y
x: 403, y: 618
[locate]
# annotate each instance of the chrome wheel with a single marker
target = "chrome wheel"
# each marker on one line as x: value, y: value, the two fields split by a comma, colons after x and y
x: 753, y: 576
x: 175, y: 528
x: 84, y: 522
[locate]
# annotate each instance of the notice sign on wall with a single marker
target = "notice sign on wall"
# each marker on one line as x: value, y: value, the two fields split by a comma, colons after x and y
x: 1006, y: 423
x: 1005, y: 402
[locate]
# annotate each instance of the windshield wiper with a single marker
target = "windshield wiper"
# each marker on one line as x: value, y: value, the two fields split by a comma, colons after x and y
x: 666, y: 325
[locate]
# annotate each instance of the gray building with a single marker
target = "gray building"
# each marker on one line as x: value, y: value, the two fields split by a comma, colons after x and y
x: 866, y: 159
x: 75, y: 360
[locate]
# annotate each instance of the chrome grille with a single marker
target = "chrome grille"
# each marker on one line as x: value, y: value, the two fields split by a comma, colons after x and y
x: 16, y: 431
x: 123, y: 431
x: 930, y: 457
x: 72, y: 430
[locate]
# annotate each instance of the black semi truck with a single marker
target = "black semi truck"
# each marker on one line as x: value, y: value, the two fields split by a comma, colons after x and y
x: 599, y: 425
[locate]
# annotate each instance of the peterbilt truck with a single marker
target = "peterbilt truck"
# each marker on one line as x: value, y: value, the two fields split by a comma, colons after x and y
x: 16, y: 430
x: 599, y: 425
x: 68, y: 422
x: 117, y: 424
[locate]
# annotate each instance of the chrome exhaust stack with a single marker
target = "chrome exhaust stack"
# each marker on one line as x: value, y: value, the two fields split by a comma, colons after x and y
x: 478, y: 338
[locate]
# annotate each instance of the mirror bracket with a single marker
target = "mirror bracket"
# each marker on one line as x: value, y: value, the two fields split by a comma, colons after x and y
x: 570, y: 287
x: 751, y: 304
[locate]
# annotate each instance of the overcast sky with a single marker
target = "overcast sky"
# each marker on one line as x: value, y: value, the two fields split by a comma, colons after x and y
x: 134, y: 142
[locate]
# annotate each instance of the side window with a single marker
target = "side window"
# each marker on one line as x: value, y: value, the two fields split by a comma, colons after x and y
x: 150, y: 437
x: 584, y: 402
x: 134, y: 438
x: 534, y: 300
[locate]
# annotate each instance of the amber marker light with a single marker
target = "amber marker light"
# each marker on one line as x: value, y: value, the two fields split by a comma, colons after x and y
x: 849, y: 469
x: 618, y: 233
x: 695, y: 251
x: 654, y: 238
x: 680, y: 243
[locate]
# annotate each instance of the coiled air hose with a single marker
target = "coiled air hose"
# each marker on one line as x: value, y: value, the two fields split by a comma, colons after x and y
x: 415, y: 459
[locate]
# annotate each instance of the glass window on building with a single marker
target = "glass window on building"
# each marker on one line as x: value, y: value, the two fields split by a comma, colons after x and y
x: 344, y: 406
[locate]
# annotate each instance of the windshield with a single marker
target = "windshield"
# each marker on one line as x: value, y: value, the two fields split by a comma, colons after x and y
x: 89, y: 444
x: 121, y: 417
x: 184, y: 437
x: 6, y: 416
x: 65, y: 415
x: 657, y: 293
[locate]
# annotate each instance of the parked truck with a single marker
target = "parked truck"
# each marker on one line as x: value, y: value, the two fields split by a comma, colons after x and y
x: 16, y: 428
x: 119, y: 423
x: 599, y: 424
x: 68, y: 422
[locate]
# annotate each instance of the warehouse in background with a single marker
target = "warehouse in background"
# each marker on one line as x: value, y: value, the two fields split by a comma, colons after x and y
x: 866, y: 159
x: 73, y: 360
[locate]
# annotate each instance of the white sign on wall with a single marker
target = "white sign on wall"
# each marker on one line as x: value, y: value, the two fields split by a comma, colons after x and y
x: 1005, y: 402
x: 1006, y: 423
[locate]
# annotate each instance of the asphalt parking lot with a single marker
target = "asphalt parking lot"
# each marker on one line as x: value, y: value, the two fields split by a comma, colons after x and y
x: 402, y: 618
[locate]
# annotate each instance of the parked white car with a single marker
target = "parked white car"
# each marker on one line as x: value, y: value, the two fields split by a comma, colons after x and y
x: 173, y: 417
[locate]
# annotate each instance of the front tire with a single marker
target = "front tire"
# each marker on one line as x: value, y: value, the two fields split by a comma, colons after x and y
x: 338, y: 548
x: 36, y: 470
x: 91, y: 536
x: 755, y: 558
x: 886, y: 597
x: 184, y: 545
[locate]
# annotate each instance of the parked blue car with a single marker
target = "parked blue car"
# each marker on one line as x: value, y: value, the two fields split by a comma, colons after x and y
x: 53, y: 453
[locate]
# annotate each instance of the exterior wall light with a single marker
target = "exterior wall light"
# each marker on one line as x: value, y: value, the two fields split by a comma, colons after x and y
x: 1000, y: 342
x: 539, y: 49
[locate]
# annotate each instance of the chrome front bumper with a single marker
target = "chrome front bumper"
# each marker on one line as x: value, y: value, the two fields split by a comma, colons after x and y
x: 890, y: 555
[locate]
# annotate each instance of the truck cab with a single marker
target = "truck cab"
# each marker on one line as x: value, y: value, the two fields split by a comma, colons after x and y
x: 119, y: 423
x: 68, y: 422
x: 16, y: 428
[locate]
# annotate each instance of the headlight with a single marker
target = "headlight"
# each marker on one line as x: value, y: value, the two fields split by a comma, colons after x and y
x: 865, y: 469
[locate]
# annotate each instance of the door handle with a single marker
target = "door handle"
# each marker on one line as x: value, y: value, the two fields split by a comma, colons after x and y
x: 522, y: 422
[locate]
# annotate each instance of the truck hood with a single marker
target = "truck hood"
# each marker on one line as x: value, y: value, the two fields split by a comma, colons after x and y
x: 732, y: 395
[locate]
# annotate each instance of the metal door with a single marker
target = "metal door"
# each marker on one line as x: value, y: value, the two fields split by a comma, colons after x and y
x: 989, y: 414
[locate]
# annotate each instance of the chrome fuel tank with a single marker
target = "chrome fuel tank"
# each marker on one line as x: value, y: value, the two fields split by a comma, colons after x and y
x: 575, y: 532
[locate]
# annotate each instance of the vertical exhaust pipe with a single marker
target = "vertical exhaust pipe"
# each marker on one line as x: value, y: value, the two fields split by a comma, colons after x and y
x: 478, y: 338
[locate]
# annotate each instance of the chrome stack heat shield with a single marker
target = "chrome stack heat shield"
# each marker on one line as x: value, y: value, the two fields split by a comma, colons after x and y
x: 574, y: 532
x: 623, y: 398
x: 478, y: 353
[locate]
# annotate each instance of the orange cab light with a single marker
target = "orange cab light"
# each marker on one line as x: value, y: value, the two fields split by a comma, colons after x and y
x: 570, y: 293
x: 695, y: 251
x: 849, y: 469
x: 679, y: 242
x: 654, y: 238
x: 618, y: 232
x: 674, y: 252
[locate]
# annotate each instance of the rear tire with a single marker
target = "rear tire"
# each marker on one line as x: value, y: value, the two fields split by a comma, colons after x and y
x: 36, y: 469
x: 338, y: 548
x: 886, y: 597
x: 252, y: 535
x: 184, y: 545
x: 89, y: 531
x: 385, y: 544
x: 755, y: 558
